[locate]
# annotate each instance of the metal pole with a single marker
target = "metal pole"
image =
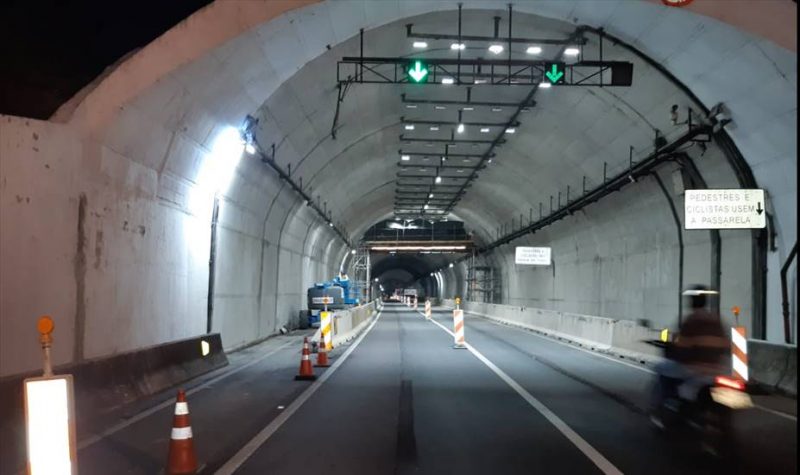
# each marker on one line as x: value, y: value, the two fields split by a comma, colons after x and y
x: 510, y: 13
x: 458, y: 73
x: 785, y: 294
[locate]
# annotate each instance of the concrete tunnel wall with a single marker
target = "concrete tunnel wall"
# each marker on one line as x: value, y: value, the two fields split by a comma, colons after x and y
x: 128, y: 268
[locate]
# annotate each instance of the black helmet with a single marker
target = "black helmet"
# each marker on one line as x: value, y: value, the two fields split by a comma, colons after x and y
x: 697, y: 295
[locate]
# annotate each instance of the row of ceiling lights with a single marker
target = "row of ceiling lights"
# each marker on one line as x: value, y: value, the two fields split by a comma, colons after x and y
x: 498, y: 48
x: 461, y: 128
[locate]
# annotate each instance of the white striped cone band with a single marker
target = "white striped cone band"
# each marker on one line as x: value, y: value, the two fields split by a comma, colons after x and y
x: 458, y: 327
x: 739, y: 353
x: 305, y: 357
x: 181, y: 433
x: 181, y: 408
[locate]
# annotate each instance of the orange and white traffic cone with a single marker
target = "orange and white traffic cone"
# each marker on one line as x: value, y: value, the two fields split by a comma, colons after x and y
x: 306, y: 371
x: 322, y: 354
x: 181, y: 459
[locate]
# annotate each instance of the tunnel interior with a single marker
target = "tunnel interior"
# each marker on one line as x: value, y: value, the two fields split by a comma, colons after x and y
x: 171, y: 226
x: 530, y: 173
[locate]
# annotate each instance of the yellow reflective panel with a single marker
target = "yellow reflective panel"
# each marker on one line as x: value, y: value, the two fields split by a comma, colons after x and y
x: 664, y: 335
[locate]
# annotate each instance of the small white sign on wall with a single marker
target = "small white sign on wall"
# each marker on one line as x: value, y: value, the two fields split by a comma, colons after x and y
x: 532, y: 256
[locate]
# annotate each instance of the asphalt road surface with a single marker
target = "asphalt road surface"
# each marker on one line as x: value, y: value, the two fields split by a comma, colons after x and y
x: 401, y: 400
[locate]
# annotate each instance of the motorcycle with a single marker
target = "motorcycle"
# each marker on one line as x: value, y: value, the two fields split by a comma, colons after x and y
x: 703, y: 406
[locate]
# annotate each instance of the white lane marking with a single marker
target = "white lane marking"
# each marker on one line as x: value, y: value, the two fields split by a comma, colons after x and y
x: 89, y: 441
x: 630, y: 365
x: 256, y: 442
x: 568, y: 345
x: 776, y: 413
x: 590, y: 452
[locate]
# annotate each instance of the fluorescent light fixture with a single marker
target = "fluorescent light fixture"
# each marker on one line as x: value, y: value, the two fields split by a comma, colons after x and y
x: 411, y: 106
x: 330, y: 224
x: 497, y: 109
x: 425, y: 207
x: 376, y: 279
x: 534, y: 50
x: 422, y: 169
x: 447, y: 81
x: 434, y: 128
x: 457, y: 46
x: 405, y: 158
x: 572, y: 51
x: 409, y: 126
x: 460, y: 171
x: 438, y: 179
x: 439, y: 108
x: 460, y: 128
x: 466, y: 160
x: 250, y: 149
x: 485, y: 130
x: 480, y: 81
x: 353, y: 251
x: 510, y: 130
x: 430, y: 195
x: 469, y: 108
x: 444, y: 159
x: 489, y: 161
x: 451, y: 265
x: 418, y: 248
x: 420, y: 44
x: 496, y: 49
x: 544, y: 85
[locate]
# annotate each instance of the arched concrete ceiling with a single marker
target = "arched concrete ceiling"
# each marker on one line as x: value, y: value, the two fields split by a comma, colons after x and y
x: 238, y: 58
x: 570, y: 132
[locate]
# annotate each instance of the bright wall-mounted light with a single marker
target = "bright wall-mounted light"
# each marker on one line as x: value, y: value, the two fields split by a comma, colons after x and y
x: 534, y: 50
x: 420, y: 44
x: 572, y: 51
x: 405, y: 158
x: 438, y: 179
x: 409, y: 126
x: 460, y: 128
x: 457, y: 46
x: 485, y: 130
x: 544, y: 85
x: 496, y: 49
x: 447, y: 81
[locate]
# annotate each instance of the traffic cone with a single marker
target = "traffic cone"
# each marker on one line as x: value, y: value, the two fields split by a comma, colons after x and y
x: 306, y: 371
x: 322, y: 353
x: 181, y: 459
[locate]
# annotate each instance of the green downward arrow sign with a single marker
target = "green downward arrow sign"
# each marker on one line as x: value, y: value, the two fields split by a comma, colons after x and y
x: 554, y: 74
x: 418, y: 73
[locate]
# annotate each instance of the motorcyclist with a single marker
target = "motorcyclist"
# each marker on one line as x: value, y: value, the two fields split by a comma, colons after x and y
x: 697, y: 352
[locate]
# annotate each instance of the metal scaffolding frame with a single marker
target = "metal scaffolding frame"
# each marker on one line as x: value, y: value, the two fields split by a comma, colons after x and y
x: 361, y: 279
x: 483, y: 283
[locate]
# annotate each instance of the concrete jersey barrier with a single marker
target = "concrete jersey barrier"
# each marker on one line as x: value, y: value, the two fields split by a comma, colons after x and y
x: 105, y: 383
x: 771, y: 365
